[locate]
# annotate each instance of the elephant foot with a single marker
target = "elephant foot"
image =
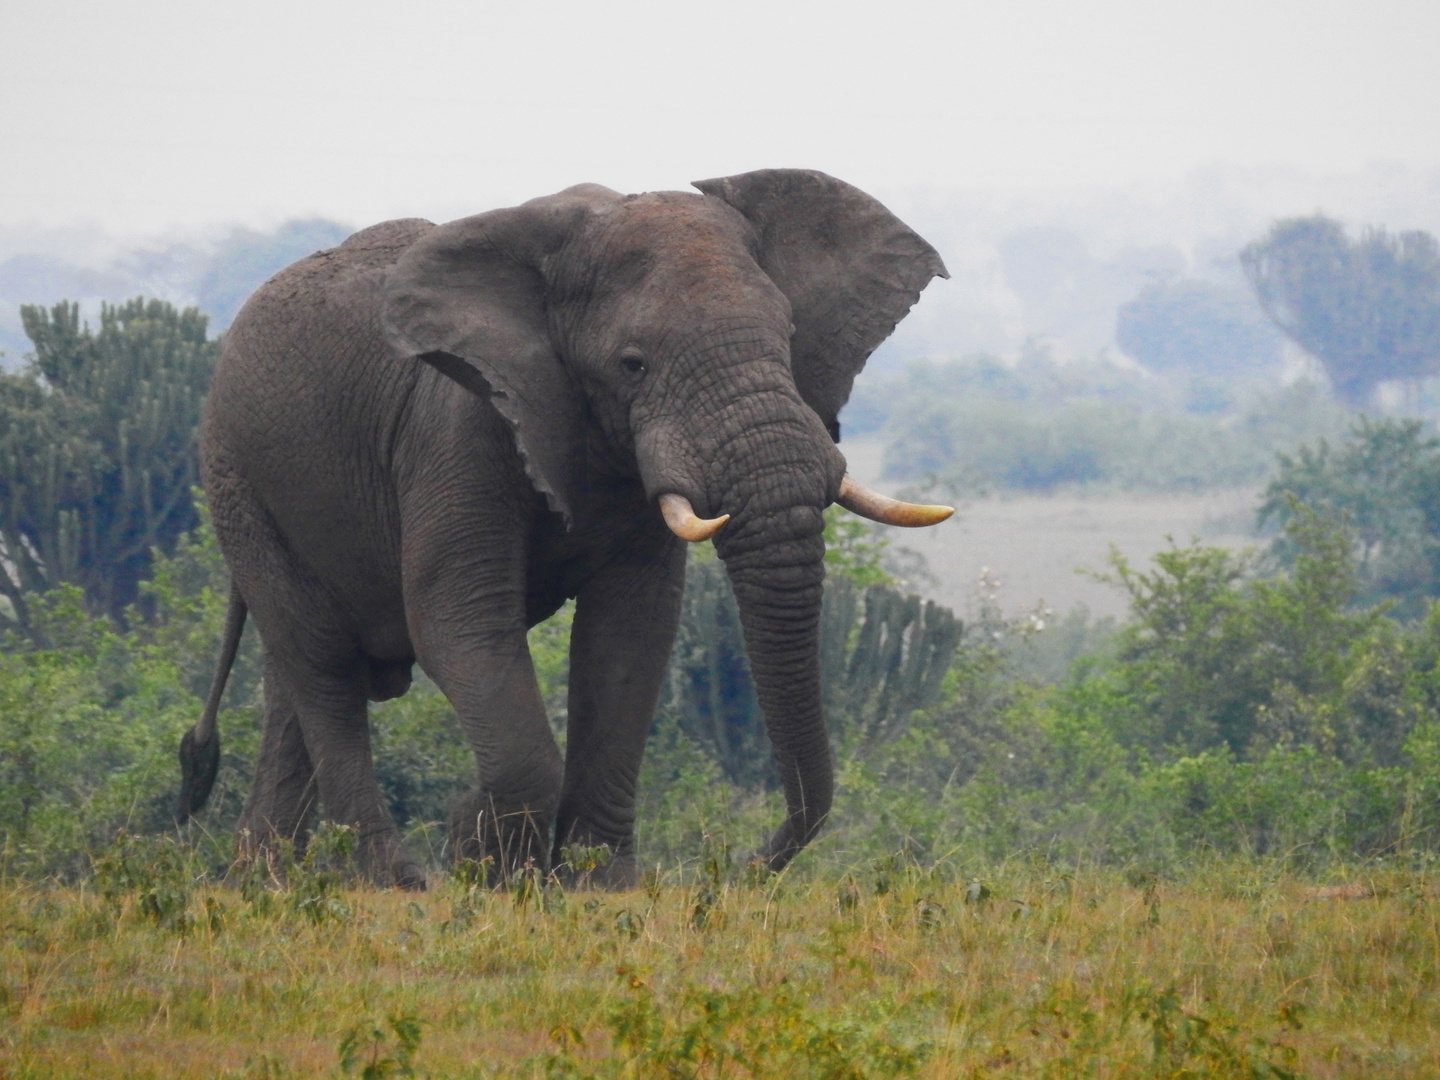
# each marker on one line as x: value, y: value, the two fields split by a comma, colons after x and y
x: 508, y: 841
x: 595, y: 864
x: 383, y: 861
x: 265, y: 854
x: 620, y: 874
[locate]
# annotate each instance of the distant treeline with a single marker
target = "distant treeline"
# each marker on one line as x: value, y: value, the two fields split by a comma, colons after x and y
x: 978, y: 425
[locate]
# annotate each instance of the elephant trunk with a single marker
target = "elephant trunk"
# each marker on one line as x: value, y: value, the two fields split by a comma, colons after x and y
x: 778, y: 589
x: 755, y: 470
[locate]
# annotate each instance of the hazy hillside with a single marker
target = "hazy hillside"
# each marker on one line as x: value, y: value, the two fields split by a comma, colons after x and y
x: 1043, y: 269
x: 215, y: 271
x: 1051, y: 266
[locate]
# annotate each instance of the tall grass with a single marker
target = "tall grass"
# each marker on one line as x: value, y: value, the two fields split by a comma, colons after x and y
x: 885, y: 968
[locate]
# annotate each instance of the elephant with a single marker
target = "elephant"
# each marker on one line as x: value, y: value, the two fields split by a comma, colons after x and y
x: 422, y: 442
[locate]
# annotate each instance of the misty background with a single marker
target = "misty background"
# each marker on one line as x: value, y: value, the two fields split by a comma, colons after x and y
x: 1096, y: 371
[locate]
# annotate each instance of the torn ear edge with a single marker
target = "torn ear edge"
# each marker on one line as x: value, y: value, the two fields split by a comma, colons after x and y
x: 554, y: 475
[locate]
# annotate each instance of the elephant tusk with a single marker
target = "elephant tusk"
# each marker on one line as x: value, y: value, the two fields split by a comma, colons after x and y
x: 859, y: 499
x: 684, y: 522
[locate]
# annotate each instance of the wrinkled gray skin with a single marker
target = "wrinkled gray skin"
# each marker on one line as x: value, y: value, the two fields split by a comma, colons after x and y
x: 420, y: 443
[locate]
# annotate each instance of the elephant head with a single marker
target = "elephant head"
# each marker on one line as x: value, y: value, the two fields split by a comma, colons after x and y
x: 706, y: 344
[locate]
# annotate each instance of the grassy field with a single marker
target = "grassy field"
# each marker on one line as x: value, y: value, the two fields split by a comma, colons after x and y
x: 1236, y: 971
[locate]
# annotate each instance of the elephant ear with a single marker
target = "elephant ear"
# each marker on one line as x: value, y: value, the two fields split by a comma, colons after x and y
x: 849, y: 267
x: 470, y: 299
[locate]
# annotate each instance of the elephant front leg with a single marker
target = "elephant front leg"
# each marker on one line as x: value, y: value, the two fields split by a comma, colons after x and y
x: 625, y: 622
x: 491, y: 683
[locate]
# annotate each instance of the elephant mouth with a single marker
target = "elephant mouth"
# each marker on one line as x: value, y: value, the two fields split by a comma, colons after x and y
x: 854, y: 496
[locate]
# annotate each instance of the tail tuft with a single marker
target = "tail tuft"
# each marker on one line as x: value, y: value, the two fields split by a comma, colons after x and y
x: 199, y: 765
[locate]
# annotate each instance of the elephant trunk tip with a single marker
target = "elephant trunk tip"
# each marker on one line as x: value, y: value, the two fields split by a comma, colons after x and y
x: 199, y: 766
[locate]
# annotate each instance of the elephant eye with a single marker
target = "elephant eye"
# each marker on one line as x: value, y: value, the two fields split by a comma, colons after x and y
x: 633, y: 364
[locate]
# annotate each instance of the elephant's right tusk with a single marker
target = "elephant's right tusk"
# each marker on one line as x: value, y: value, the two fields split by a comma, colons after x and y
x: 859, y: 499
x: 684, y: 522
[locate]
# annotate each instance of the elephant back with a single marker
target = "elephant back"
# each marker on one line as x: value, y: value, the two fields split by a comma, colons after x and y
x: 307, y: 376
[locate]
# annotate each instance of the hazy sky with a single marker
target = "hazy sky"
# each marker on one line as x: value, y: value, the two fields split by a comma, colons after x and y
x: 153, y: 113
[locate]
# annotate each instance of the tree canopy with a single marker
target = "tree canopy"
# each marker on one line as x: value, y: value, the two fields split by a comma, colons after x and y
x: 1198, y: 328
x: 98, y: 449
x: 1369, y: 311
x: 1384, y: 482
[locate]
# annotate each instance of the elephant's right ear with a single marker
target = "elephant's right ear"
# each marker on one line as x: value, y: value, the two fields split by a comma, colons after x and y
x: 850, y: 268
x: 470, y: 299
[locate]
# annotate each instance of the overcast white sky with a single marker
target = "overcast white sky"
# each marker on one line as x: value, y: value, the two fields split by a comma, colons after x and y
x: 155, y: 113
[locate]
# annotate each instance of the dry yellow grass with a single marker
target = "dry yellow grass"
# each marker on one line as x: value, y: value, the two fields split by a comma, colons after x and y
x: 1230, y: 973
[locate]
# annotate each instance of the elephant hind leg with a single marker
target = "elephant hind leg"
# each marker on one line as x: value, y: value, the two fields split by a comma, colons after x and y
x: 283, y: 797
x: 337, y: 737
x: 316, y: 737
x: 318, y: 754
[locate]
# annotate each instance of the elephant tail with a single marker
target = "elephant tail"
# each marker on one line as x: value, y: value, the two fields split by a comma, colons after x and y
x: 200, y: 747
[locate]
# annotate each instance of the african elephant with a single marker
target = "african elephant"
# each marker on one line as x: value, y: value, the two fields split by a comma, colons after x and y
x: 420, y: 443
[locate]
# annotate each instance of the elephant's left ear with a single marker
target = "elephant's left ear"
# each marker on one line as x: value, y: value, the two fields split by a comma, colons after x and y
x: 471, y: 299
x: 849, y: 267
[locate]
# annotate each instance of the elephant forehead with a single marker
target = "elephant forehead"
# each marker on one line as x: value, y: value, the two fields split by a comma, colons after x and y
x: 654, y: 262
x: 676, y: 228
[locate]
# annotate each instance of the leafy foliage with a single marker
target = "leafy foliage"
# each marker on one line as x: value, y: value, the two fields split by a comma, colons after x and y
x: 1213, y: 661
x: 373, y: 1052
x: 1235, y: 714
x: 1384, y: 481
x: 709, y: 1032
x: 98, y: 450
x: 1197, y: 328
x: 1368, y: 310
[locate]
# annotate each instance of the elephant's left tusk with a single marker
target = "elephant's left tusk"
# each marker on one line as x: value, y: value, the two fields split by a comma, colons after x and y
x: 684, y: 522
x: 859, y: 499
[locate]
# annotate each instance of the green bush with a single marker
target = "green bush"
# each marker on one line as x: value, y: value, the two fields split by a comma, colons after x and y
x: 1384, y: 479
x: 1260, y: 717
x: 1232, y: 713
x: 87, y: 743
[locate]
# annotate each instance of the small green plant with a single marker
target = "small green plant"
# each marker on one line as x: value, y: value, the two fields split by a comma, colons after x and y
x: 271, y: 877
x: 629, y: 924
x: 316, y: 880
x: 157, y: 871
x: 581, y: 861
x: 527, y: 886
x: 702, y: 1032
x: 472, y: 874
x: 373, y: 1053
x: 978, y: 894
x: 1181, y: 1040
